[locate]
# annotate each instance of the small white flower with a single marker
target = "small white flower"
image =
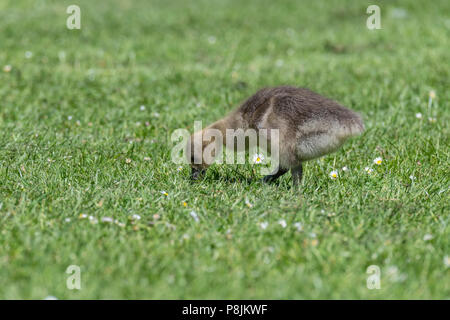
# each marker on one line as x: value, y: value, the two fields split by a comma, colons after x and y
x: 107, y: 219
x: 61, y: 56
x: 147, y: 159
x: 142, y: 108
x: 136, y: 217
x: 432, y: 120
x: 345, y: 169
x: 50, y: 298
x: 282, y: 223
x: 7, y: 68
x: 298, y: 226
x: 69, y: 118
x: 264, y: 225
x: 164, y: 193
x: 179, y: 168
x: 28, y: 54
x: 378, y: 160
x: 432, y: 94
x: 93, y: 220
x: 156, y: 114
x: 82, y: 216
x: 447, y: 261
x: 67, y: 219
x: 312, y: 235
x: 279, y: 63
x: 258, y: 158
x: 333, y: 174
x: 368, y: 170
x: 248, y: 204
x: 194, y: 215
x: 427, y: 237
x: 212, y: 39
x: 128, y: 160
x: 418, y: 115
x: 412, y: 177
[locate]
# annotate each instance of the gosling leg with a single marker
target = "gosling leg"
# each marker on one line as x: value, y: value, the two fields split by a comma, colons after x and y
x: 297, y: 174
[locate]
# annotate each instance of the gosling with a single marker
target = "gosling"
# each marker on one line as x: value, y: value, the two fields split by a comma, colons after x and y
x: 309, y: 126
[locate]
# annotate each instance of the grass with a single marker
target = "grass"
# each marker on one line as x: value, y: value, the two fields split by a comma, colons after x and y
x: 197, y: 60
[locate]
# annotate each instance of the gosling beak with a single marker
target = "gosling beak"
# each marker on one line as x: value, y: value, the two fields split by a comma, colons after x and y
x: 197, y: 173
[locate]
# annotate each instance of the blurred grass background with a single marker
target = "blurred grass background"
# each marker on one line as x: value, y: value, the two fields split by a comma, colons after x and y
x: 70, y: 116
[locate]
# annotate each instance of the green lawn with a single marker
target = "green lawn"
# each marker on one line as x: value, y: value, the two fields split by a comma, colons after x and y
x: 70, y: 117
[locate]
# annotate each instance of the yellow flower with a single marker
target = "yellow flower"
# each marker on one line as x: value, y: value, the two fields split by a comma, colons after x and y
x: 184, y: 204
x: 333, y: 174
x: 258, y: 158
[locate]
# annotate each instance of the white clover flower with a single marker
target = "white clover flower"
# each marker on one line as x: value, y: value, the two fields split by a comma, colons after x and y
x: 69, y: 118
x: 282, y: 223
x: 67, y: 219
x: 378, y: 160
x: 258, y: 158
x: 264, y: 225
x: 427, y: 237
x: 107, y: 219
x: 298, y: 226
x: 142, y: 108
x: 194, y: 215
x: 128, y: 160
x: 345, y: 169
x: 418, y: 115
x: 333, y: 174
x: 136, y: 217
